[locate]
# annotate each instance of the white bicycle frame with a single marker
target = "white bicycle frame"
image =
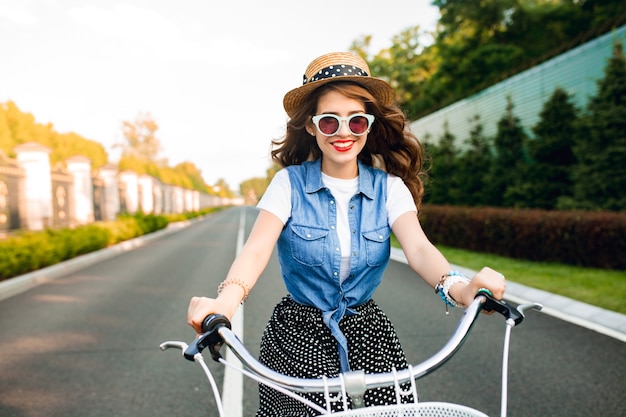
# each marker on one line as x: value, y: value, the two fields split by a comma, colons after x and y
x: 354, y: 384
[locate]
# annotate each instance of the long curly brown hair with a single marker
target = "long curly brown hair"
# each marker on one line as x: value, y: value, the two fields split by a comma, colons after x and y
x: 390, y: 145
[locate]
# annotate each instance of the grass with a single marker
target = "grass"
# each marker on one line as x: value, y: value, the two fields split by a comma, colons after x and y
x: 600, y: 287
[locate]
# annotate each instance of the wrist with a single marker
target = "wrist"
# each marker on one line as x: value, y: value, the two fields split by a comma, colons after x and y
x: 228, y: 302
x: 229, y: 283
x: 462, y: 292
x: 444, y: 287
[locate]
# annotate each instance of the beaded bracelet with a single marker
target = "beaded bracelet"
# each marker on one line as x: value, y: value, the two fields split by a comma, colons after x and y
x: 243, y: 285
x: 443, y: 287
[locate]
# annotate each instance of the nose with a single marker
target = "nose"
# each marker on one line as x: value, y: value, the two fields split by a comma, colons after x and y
x: 344, y: 130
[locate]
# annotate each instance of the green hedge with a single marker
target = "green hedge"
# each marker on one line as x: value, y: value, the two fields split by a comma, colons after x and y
x: 30, y: 251
x: 592, y: 239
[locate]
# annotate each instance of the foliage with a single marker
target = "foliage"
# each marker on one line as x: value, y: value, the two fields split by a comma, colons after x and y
x: 506, y: 176
x: 551, y: 154
x: 30, y: 251
x: 600, y: 172
x: 443, y: 179
x: 405, y: 65
x: 481, y: 42
x: 472, y: 167
x: 594, y: 239
x: 252, y: 190
x: 140, y: 135
x: 573, y: 161
x: 17, y: 127
x: 140, y: 152
x: 147, y: 223
x: 66, y: 145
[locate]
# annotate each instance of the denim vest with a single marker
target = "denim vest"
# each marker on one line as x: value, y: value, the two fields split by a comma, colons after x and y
x: 309, y: 252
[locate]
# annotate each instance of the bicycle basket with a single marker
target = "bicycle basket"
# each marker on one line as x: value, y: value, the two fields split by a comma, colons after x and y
x: 425, y: 409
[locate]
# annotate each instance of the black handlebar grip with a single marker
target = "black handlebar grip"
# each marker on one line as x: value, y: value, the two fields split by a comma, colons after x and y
x: 210, y: 337
x: 212, y: 321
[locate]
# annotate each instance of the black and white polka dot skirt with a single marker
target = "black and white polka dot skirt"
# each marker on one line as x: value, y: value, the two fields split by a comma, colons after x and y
x: 296, y: 342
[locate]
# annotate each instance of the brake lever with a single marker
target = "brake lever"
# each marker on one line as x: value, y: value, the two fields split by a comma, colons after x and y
x: 516, y: 315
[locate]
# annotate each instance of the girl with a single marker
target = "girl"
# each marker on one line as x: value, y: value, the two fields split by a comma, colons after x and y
x: 352, y: 176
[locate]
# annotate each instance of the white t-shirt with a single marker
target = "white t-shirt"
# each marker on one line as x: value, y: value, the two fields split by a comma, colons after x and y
x: 277, y: 200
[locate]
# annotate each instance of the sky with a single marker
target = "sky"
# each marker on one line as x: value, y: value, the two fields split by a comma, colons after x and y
x: 212, y: 74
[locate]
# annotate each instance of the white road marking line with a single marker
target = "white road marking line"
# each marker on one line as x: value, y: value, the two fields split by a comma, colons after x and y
x: 232, y: 393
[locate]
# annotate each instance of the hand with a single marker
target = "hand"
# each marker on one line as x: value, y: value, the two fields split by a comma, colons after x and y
x: 200, y: 307
x: 485, y: 278
x: 492, y: 280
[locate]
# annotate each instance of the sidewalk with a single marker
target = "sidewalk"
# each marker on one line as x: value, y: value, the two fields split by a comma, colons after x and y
x: 594, y: 318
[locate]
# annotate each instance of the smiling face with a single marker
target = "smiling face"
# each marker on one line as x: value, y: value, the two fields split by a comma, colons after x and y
x: 340, y: 151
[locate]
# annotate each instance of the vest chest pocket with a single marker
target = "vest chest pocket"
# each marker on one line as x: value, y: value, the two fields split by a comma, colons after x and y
x: 308, y: 244
x: 377, y: 246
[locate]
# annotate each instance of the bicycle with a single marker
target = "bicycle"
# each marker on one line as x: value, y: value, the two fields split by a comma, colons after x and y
x: 217, y: 332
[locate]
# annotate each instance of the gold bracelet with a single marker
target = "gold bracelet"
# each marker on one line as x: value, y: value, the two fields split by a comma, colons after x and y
x: 244, y: 287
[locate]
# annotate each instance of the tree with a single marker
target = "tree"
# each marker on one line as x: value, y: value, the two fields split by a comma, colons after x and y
x: 442, y: 182
x: 66, y: 145
x: 24, y: 128
x: 405, y: 65
x: 468, y: 38
x: 507, y: 174
x: 600, y: 172
x: 191, y: 171
x: 252, y: 189
x: 473, y: 166
x: 141, y: 140
x: 551, y: 153
x: 480, y: 42
x: 6, y: 139
x: 222, y: 189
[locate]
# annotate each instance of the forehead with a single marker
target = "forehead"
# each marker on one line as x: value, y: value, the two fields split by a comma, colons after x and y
x: 335, y: 102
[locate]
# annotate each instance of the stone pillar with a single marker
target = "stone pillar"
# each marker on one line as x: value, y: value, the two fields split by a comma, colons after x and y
x: 80, y: 168
x: 179, y: 200
x: 129, y: 178
x: 196, y: 201
x: 158, y: 194
x: 188, y: 200
x: 145, y: 183
x: 34, y: 159
x: 108, y: 174
x: 167, y: 198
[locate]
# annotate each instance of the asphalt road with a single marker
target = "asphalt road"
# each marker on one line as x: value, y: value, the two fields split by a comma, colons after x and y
x: 86, y: 344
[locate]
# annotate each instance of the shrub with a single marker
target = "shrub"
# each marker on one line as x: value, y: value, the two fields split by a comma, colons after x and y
x: 594, y: 239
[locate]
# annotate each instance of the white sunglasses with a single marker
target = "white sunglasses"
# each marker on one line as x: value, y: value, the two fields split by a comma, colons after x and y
x: 330, y: 124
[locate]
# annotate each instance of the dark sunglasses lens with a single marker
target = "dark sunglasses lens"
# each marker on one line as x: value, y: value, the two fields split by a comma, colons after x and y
x: 328, y: 125
x: 358, y: 125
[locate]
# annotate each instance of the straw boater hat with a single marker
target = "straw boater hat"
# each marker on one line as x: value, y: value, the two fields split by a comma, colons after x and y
x: 337, y: 66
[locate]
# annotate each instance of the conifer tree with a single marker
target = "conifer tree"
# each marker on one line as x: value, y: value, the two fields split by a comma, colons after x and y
x: 600, y: 173
x: 551, y: 153
x: 473, y: 166
x: 442, y: 180
x: 507, y: 173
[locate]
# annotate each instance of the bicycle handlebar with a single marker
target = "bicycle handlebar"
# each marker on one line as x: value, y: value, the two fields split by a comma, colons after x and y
x: 217, y: 331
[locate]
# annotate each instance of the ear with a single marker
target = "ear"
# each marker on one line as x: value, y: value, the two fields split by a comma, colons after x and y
x: 310, y: 128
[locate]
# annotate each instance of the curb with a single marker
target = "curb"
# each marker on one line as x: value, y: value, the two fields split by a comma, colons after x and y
x: 603, y: 321
x: 21, y: 283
